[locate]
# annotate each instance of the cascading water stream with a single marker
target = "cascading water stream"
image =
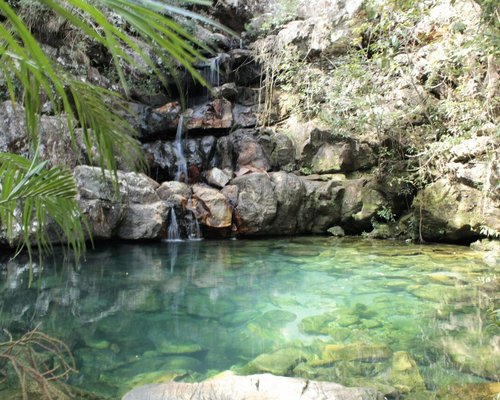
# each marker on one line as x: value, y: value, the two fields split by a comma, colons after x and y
x: 192, y: 227
x: 182, y: 174
x: 173, y: 233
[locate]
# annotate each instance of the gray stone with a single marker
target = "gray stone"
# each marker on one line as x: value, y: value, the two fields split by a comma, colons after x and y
x: 336, y: 231
x: 218, y: 178
x: 257, y: 203
x: 142, y: 221
x: 231, y: 192
x: 290, y: 192
x: 256, y: 387
x: 211, y: 207
x: 452, y: 211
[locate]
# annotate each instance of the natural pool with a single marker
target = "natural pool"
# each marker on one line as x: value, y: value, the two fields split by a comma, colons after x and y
x: 358, y: 312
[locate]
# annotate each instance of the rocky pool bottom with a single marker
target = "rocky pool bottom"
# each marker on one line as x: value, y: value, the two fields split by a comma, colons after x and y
x: 409, y: 320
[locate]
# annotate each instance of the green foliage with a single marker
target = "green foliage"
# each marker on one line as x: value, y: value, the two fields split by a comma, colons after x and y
x: 32, y: 196
x: 386, y: 214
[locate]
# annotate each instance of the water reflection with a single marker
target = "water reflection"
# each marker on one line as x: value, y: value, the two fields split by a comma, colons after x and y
x: 356, y: 310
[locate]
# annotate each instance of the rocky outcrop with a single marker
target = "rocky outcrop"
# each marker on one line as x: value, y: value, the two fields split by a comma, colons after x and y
x: 131, y: 209
x: 452, y: 211
x: 257, y: 387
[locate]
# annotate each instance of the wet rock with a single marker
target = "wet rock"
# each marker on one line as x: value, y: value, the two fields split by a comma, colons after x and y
x: 336, y: 231
x: 476, y: 391
x: 161, y: 159
x: 214, y: 115
x: 151, y: 123
x: 490, y: 249
x: 281, y: 362
x: 405, y: 375
x: 142, y: 221
x: 217, y: 211
x: 317, y: 324
x: 174, y: 193
x: 228, y: 91
x: 355, y: 352
x: 208, y: 147
x: 449, y: 211
x: 256, y: 387
x: 218, y: 178
x: 257, y: 203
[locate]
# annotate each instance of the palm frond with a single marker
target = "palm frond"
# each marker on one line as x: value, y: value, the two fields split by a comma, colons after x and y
x: 33, y: 197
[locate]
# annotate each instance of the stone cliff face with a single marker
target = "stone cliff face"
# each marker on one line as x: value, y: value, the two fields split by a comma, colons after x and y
x: 314, y: 124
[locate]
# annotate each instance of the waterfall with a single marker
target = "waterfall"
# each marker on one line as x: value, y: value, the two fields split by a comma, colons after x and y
x: 214, y: 76
x: 173, y: 233
x: 182, y: 174
x: 193, y: 228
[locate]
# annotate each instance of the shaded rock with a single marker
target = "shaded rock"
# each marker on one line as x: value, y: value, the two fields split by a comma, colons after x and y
x: 405, y: 375
x: 231, y: 192
x: 217, y: 211
x: 321, y: 206
x: 208, y: 147
x: 218, y: 178
x: 150, y: 123
x: 255, y: 387
x: 245, y: 116
x: 161, y: 158
x: 142, y: 221
x: 289, y: 191
x: 228, y: 91
x: 283, y: 153
x: 452, y: 211
x: 225, y: 152
x: 103, y: 216
x: 245, y: 71
x: 248, y: 152
x: 257, y: 203
x: 281, y: 362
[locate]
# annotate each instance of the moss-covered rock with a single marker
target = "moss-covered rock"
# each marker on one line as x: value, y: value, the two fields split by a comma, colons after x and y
x: 405, y: 375
x: 281, y: 362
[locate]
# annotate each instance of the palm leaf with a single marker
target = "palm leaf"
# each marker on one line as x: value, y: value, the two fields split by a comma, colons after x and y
x: 32, y: 195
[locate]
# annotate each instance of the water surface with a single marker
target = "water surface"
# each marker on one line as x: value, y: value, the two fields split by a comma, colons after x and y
x: 358, y: 312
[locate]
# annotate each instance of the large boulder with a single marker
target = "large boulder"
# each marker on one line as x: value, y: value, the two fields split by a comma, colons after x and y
x: 257, y: 203
x: 129, y: 209
x: 321, y: 206
x: 248, y: 152
x: 290, y: 191
x: 211, y: 207
x: 452, y: 211
x: 142, y: 221
x: 256, y: 387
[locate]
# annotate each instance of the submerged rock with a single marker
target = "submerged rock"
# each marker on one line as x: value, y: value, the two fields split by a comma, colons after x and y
x: 255, y: 387
x: 281, y: 362
x: 405, y: 375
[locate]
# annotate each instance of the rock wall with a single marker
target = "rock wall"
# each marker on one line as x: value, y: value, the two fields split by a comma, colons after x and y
x: 258, y: 164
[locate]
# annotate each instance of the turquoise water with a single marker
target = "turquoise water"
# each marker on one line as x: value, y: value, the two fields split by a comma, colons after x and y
x: 406, y: 318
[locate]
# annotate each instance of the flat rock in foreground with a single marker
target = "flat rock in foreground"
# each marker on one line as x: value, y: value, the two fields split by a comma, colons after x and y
x: 254, y: 387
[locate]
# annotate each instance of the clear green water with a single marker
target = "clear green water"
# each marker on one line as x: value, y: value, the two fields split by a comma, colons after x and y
x: 356, y: 312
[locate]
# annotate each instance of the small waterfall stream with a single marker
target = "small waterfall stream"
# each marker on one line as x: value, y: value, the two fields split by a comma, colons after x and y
x: 182, y: 174
x: 191, y: 225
